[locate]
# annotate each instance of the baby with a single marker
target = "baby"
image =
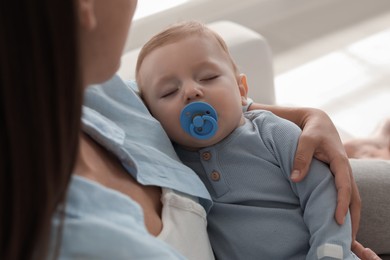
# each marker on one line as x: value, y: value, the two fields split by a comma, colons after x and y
x: 191, y: 84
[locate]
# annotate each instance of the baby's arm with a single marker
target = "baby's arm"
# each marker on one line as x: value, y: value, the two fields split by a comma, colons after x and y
x: 317, y: 195
x: 320, y: 139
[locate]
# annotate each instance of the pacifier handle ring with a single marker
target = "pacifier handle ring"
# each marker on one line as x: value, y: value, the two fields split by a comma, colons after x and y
x: 195, y: 133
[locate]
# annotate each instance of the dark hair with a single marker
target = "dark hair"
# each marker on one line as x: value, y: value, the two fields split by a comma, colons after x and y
x: 40, y: 108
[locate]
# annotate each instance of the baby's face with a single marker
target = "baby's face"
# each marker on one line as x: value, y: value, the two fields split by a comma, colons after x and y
x: 192, y: 69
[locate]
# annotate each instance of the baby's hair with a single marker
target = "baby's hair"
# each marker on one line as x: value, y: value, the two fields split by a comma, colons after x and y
x: 177, y: 32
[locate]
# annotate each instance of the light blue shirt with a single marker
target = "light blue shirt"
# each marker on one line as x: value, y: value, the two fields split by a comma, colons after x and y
x: 101, y: 223
x: 116, y: 117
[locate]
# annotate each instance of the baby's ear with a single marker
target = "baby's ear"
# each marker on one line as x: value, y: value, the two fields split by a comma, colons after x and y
x: 243, y: 87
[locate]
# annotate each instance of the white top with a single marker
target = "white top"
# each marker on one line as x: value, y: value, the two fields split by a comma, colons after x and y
x: 185, y: 225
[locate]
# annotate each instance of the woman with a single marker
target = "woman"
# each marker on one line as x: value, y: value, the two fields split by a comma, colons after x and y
x: 50, y: 51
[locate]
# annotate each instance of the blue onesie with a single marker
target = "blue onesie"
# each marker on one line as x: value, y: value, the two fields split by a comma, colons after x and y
x: 258, y: 212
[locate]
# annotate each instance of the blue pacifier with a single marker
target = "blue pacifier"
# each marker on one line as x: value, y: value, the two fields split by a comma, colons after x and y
x: 199, y: 120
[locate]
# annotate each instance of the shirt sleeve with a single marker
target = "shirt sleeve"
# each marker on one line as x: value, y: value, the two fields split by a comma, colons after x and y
x: 248, y: 104
x: 316, y: 193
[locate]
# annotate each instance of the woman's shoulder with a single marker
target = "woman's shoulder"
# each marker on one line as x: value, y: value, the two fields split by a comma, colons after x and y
x: 101, y: 223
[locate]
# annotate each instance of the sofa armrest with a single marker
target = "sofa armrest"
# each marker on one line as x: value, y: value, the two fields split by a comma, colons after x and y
x: 250, y: 51
x: 373, y: 180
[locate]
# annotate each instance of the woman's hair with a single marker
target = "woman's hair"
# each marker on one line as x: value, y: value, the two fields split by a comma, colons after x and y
x: 40, y: 108
x: 177, y: 32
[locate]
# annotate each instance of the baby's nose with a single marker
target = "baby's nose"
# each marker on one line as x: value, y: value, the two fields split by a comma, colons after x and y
x: 193, y: 92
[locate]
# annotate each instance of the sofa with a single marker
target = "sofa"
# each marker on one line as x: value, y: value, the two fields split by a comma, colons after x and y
x: 253, y: 56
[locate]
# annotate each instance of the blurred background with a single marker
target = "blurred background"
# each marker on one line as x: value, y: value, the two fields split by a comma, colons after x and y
x: 329, y: 54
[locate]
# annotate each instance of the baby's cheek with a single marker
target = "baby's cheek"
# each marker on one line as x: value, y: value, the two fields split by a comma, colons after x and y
x: 172, y: 127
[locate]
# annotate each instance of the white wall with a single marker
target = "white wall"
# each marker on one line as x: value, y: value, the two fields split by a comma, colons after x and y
x: 305, y: 18
x: 246, y: 12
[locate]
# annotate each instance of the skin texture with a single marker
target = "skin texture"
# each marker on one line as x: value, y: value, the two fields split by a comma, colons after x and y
x: 103, y: 32
x: 174, y: 76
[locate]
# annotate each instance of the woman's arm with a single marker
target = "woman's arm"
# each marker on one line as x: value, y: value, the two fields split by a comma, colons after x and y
x: 320, y: 139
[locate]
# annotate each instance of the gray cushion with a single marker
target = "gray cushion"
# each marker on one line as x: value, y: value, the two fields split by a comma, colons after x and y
x: 373, y: 180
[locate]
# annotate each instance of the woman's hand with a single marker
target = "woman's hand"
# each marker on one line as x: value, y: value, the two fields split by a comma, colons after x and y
x: 320, y: 139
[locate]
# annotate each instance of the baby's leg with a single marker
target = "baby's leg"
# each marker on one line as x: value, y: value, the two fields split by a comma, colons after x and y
x: 376, y: 146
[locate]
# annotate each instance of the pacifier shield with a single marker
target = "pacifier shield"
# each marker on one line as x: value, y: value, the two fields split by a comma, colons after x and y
x: 199, y: 119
